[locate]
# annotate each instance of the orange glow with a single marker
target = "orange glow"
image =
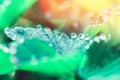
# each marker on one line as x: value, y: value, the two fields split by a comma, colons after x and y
x: 70, y: 13
x: 74, y: 6
x: 95, y: 5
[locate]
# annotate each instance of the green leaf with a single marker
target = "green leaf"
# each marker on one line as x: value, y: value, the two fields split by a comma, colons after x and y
x: 38, y: 56
x: 11, y: 10
x: 94, y: 30
x: 5, y: 64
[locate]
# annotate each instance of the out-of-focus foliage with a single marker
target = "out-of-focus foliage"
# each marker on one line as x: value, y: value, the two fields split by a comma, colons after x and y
x: 99, y: 50
x: 6, y: 65
x: 96, y: 29
x: 37, y: 55
x: 100, y: 55
x: 103, y: 54
x: 53, y: 65
x: 110, y: 25
x: 5, y: 77
x: 112, y: 21
x: 109, y: 72
x: 92, y: 55
x: 10, y: 10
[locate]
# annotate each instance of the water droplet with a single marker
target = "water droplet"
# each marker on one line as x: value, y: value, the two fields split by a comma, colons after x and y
x: 16, y: 25
x: 109, y: 36
x: 96, y: 39
x: 50, y: 45
x: 26, y: 26
x: 6, y: 30
x: 102, y: 37
x: 87, y: 38
x: 81, y: 36
x: 87, y: 47
x: 20, y: 30
x: 59, y: 41
x: 13, y: 48
x: 4, y: 48
x: 10, y: 33
x: 73, y: 35
x: 47, y: 29
x: 91, y: 41
x: 20, y: 41
x: 38, y: 26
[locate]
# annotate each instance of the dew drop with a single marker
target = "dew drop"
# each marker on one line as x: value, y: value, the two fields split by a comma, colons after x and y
x: 81, y: 36
x: 47, y: 30
x: 13, y: 48
x: 102, y: 37
x: 26, y: 26
x: 73, y: 35
x: 96, y: 39
x: 87, y: 47
x: 16, y: 25
x: 109, y: 36
x: 10, y: 33
x: 20, y: 30
x: 87, y: 38
x: 38, y: 26
x: 5, y: 49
